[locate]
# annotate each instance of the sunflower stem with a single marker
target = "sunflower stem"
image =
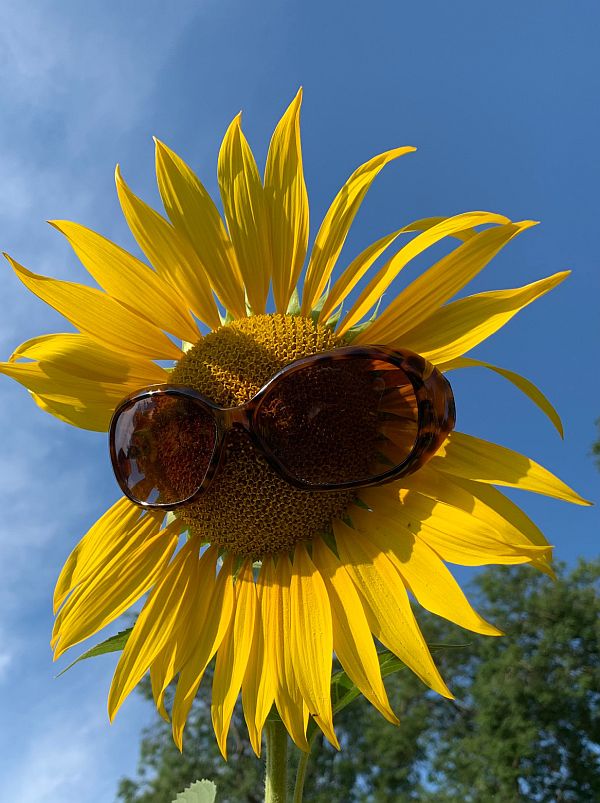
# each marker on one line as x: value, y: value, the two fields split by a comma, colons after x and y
x: 276, y: 774
x: 301, y: 776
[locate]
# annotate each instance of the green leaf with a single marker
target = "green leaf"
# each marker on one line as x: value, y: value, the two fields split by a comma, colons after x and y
x: 343, y: 690
x: 199, y: 792
x: 113, y: 644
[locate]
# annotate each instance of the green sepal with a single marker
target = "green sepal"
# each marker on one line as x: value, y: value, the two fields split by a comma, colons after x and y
x: 227, y: 318
x: 334, y: 319
x: 293, y: 307
x: 359, y: 503
x: 199, y: 792
x: 316, y: 310
x: 361, y: 327
x: 115, y: 643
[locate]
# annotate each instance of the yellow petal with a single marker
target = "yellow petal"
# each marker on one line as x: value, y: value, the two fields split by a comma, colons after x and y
x: 336, y: 225
x: 62, y: 386
x: 153, y: 628
x: 196, y: 218
x: 179, y: 647
x: 158, y: 669
x: 171, y: 255
x: 421, y: 569
x: 233, y: 654
x: 480, y: 501
x: 84, y: 415
x: 386, y: 275
x: 426, y: 223
x: 456, y: 535
x: 109, y: 533
x: 99, y: 316
x: 276, y: 619
x: 117, y: 584
x: 258, y: 687
x: 442, y: 281
x: 386, y: 604
x: 311, y: 639
x: 460, y: 326
x: 96, y: 400
x: 475, y: 459
x: 245, y: 209
x: 352, y: 639
x: 129, y: 281
x: 512, y: 522
x: 287, y: 204
x: 80, y: 356
x: 354, y: 273
x: 77, y: 379
x: 524, y: 385
x: 208, y: 623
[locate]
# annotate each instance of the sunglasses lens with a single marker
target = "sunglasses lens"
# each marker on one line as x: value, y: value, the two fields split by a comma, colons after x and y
x: 341, y: 420
x: 162, y: 446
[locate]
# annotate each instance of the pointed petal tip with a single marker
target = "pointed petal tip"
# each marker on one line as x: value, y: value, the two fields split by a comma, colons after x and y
x: 178, y: 738
x: 492, y: 630
x: 527, y: 224
x: 296, y: 102
x: 390, y: 716
x: 222, y: 747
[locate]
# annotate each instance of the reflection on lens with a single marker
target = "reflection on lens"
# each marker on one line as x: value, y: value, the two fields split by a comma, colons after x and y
x: 163, y: 446
x: 340, y: 420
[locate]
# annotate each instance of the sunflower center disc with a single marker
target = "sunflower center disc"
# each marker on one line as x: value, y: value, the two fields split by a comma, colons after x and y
x: 248, y: 509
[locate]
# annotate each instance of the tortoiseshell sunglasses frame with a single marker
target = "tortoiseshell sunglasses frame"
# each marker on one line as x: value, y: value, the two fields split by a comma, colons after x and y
x: 435, y: 404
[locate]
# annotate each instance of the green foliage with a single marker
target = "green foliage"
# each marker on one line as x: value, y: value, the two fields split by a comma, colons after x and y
x: 114, y: 643
x: 528, y: 725
x: 198, y: 792
x: 525, y: 725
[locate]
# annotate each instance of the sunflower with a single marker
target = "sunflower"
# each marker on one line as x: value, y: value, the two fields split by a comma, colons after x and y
x: 269, y: 580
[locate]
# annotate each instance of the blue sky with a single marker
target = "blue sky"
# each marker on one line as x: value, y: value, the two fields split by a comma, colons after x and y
x: 502, y: 105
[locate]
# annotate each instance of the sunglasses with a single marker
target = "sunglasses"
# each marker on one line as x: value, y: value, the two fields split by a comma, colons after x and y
x: 348, y: 418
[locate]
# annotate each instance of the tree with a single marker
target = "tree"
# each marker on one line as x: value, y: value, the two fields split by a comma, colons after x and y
x: 528, y: 726
x: 525, y: 725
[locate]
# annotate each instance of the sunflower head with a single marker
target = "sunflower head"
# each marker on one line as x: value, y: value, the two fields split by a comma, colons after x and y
x: 251, y: 511
x: 336, y: 568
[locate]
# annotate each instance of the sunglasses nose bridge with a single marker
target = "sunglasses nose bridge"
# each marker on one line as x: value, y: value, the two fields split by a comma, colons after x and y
x: 235, y: 415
